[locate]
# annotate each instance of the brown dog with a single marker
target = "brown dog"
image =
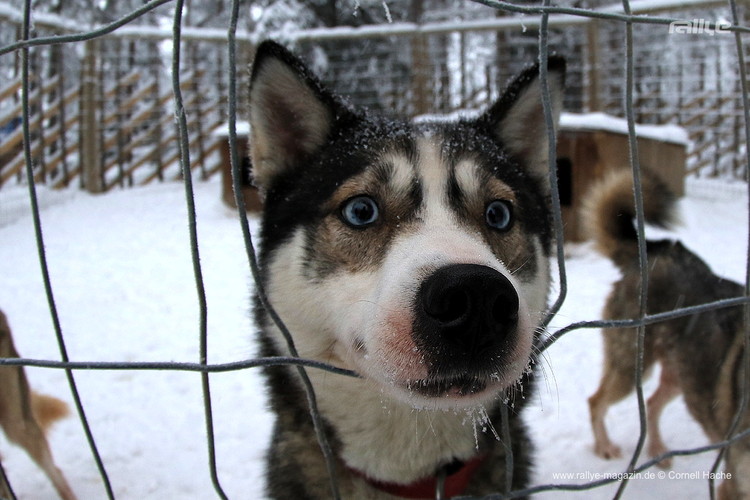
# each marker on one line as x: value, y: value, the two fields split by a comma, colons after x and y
x: 25, y: 415
x: 700, y: 355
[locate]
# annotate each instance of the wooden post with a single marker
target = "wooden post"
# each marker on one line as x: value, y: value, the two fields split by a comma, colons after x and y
x: 158, y: 132
x: 593, y: 70
x: 464, y: 92
x: 489, y: 84
x: 443, y: 103
x: 419, y: 79
x: 246, y: 54
x: 419, y: 63
x: 221, y: 85
x: 63, y: 118
x: 37, y: 108
x: 118, y: 88
x: 195, y: 88
x: 719, y: 120
x: 739, y: 124
x: 91, y: 157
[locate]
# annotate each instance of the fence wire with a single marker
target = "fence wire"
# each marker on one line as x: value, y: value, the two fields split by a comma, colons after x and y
x: 642, y: 257
x: 544, y: 13
x: 43, y: 256
x: 745, y: 379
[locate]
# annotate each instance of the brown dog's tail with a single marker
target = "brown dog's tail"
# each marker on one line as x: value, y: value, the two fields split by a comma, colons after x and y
x: 608, y: 213
x: 47, y: 410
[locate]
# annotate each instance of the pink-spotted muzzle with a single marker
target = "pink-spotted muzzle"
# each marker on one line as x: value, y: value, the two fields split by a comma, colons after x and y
x: 457, y: 337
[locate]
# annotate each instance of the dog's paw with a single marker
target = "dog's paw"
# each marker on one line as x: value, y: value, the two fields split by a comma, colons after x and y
x: 607, y: 450
x: 654, y: 450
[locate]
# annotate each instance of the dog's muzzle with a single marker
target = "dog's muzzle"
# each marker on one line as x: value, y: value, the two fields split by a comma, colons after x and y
x: 466, y: 317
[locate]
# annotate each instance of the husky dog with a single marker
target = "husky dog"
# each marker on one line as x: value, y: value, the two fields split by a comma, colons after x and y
x: 700, y: 355
x: 25, y: 416
x: 414, y: 255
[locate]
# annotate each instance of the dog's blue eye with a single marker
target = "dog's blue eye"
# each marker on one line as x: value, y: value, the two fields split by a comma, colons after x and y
x: 360, y: 211
x: 499, y: 215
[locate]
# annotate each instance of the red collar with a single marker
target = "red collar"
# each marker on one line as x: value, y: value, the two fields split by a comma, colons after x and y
x: 455, y: 484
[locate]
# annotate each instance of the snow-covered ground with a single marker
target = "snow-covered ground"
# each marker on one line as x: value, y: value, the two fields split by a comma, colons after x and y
x: 122, y: 275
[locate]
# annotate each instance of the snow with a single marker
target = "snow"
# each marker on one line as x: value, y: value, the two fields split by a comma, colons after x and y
x: 438, y: 27
x: 122, y: 274
x: 16, y: 14
x: 602, y: 121
x: 646, y: 6
x: 585, y: 121
x: 522, y: 21
x: 14, y: 201
x: 242, y: 129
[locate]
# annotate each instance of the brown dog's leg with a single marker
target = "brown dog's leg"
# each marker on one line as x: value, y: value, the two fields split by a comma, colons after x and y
x: 735, y: 479
x: 726, y: 491
x: 19, y: 424
x: 668, y: 389
x: 736, y: 483
x: 31, y: 438
x: 598, y: 405
x: 17, y: 413
x: 618, y: 380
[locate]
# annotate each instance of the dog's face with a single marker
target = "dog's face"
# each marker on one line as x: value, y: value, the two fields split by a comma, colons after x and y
x: 415, y: 255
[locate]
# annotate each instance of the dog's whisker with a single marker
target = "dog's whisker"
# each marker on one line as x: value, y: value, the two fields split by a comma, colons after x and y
x: 547, y: 373
x: 520, y: 266
x: 429, y: 429
x: 488, y: 423
x: 376, y: 306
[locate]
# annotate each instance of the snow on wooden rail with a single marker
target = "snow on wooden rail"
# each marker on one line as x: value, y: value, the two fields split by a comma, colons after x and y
x: 522, y: 22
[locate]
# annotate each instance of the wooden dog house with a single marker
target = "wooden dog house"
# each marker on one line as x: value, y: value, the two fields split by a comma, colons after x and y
x: 590, y: 145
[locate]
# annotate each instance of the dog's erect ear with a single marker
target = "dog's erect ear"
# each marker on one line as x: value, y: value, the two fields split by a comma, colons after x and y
x: 291, y: 114
x: 517, y: 118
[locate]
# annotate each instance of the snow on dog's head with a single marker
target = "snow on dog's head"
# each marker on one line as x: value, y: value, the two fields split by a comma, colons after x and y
x: 415, y: 255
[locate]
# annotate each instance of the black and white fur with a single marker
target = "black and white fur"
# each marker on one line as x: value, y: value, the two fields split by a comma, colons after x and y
x: 415, y: 255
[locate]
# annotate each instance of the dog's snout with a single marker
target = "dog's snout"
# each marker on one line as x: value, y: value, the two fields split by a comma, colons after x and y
x: 469, y: 307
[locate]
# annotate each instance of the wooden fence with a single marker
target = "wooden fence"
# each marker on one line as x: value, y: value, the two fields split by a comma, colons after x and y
x: 100, y: 129
x: 102, y: 111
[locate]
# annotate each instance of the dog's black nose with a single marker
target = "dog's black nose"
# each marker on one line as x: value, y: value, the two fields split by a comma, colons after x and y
x: 470, y: 308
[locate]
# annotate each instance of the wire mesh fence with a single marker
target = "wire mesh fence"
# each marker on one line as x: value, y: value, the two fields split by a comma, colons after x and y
x: 105, y: 101
x: 634, y: 83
